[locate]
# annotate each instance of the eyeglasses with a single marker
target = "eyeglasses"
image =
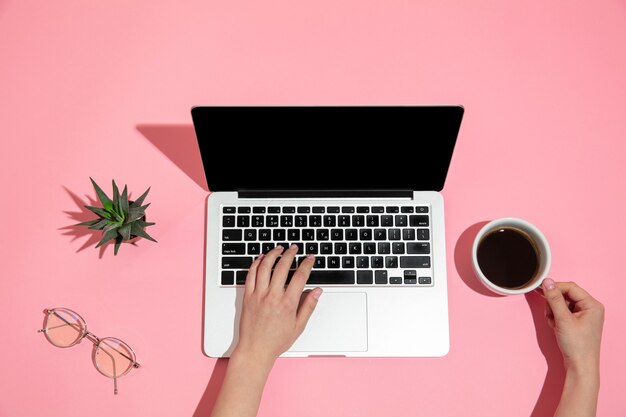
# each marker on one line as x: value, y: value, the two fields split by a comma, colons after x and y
x: 111, y: 357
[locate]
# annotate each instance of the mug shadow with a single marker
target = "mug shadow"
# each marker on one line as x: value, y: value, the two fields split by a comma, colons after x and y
x: 178, y: 143
x: 550, y: 394
x: 463, y: 259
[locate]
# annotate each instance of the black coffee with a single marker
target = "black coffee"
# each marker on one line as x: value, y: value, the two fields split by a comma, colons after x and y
x: 508, y: 257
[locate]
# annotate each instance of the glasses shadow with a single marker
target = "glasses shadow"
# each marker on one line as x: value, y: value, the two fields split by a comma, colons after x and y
x: 178, y: 143
x: 550, y: 394
x: 463, y: 259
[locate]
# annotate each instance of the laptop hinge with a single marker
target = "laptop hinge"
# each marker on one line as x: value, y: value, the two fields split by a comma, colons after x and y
x: 325, y: 193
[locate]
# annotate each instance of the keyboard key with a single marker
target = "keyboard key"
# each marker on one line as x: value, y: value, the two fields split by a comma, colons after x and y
x: 241, y: 277
x: 421, y: 221
x: 243, y: 221
x: 330, y: 221
x: 257, y: 221
x: 319, y: 210
x: 386, y: 220
x: 315, y: 221
x: 249, y: 234
x: 364, y: 277
x: 372, y: 221
x: 347, y: 262
x: 293, y: 234
x: 343, y: 221
x: 228, y: 221
x: 254, y: 248
x: 236, y: 262
x: 273, y: 209
x: 384, y: 248
x: 301, y: 221
x: 308, y: 234
x: 343, y: 277
x: 258, y: 210
x: 410, y: 280
x: 279, y: 234
x: 422, y: 248
x: 401, y: 220
x: 286, y: 221
x: 334, y: 262
x: 369, y: 248
x: 408, y: 234
x: 336, y: 234
x: 365, y: 234
x: 395, y: 280
x: 393, y: 209
x: 233, y: 248
x: 228, y: 210
x: 332, y: 209
x: 243, y: 210
x: 380, y: 234
x: 304, y: 209
x: 378, y: 209
x: 362, y: 261
x: 320, y: 262
x: 425, y: 280
x: 358, y: 220
x: 266, y: 247
x: 272, y: 221
x: 394, y: 234
x: 300, y: 246
x: 341, y: 248
x: 421, y: 209
x: 355, y: 248
x: 326, y: 248
x: 322, y: 234
x: 414, y: 262
x: 392, y: 261
x: 289, y: 209
x: 347, y: 209
x: 423, y: 234
x: 397, y: 248
x: 351, y: 234
x: 362, y: 209
x: 311, y: 248
x: 265, y: 234
x: 406, y: 209
x: 380, y: 277
x: 228, y: 277
x: 284, y: 245
x: 377, y: 262
x: 231, y: 234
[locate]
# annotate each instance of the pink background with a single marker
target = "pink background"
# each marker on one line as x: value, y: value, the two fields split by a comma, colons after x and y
x: 104, y: 89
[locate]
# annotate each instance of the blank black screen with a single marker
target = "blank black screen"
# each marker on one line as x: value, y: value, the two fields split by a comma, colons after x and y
x: 327, y: 148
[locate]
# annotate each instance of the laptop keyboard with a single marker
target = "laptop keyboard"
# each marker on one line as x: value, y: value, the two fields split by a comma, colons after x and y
x: 353, y: 245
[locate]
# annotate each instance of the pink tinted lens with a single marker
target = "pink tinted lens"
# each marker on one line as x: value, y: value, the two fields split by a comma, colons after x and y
x: 64, y: 328
x: 113, y: 358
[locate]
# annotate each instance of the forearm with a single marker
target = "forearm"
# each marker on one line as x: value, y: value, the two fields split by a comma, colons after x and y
x: 242, y: 388
x: 580, y: 393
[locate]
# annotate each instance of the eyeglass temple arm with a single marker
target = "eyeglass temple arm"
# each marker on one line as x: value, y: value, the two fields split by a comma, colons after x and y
x: 114, y: 371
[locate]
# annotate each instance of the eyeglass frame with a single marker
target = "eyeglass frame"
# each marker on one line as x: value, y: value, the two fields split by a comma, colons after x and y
x: 93, y: 339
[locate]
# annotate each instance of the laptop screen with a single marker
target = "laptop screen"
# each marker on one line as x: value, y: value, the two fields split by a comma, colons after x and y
x: 326, y: 148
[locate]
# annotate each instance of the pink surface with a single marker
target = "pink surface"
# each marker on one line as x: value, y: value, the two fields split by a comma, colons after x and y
x: 103, y: 89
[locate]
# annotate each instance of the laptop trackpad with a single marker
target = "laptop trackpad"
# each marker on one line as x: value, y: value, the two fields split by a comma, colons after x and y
x: 338, y: 324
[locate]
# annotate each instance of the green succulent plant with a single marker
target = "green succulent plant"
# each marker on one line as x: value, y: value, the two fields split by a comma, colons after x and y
x: 118, y: 218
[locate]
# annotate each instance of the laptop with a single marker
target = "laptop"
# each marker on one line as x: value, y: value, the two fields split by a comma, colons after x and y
x: 356, y: 186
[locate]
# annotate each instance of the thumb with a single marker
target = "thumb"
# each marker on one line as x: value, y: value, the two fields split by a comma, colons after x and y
x: 555, y: 300
x: 307, y: 307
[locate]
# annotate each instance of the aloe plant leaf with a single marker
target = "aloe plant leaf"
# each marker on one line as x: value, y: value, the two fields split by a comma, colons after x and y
x: 100, y: 224
x: 136, y: 213
x: 100, y: 212
x: 110, y: 235
x: 137, y: 230
x: 124, y: 231
x: 124, y: 201
x: 138, y: 202
x: 88, y: 222
x: 104, y: 199
x: 146, y: 224
x: 116, y: 197
x: 118, y: 242
x: 111, y: 226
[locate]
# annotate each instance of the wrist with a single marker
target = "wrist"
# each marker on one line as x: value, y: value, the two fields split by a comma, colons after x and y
x: 252, y: 360
x: 586, y: 373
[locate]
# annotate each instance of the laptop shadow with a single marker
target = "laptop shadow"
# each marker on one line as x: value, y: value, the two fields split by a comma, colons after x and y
x: 178, y: 143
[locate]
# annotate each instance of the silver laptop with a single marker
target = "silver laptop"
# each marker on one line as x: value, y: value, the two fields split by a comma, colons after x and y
x: 356, y: 186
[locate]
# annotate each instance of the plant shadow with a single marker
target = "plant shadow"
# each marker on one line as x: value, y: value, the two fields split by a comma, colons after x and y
x: 550, y: 394
x: 178, y: 143
x: 463, y: 259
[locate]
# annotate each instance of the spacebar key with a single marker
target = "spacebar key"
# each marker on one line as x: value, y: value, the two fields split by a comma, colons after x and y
x: 236, y: 262
x: 331, y: 277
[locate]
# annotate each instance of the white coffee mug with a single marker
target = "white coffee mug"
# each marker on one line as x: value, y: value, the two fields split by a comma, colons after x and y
x: 541, y: 244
